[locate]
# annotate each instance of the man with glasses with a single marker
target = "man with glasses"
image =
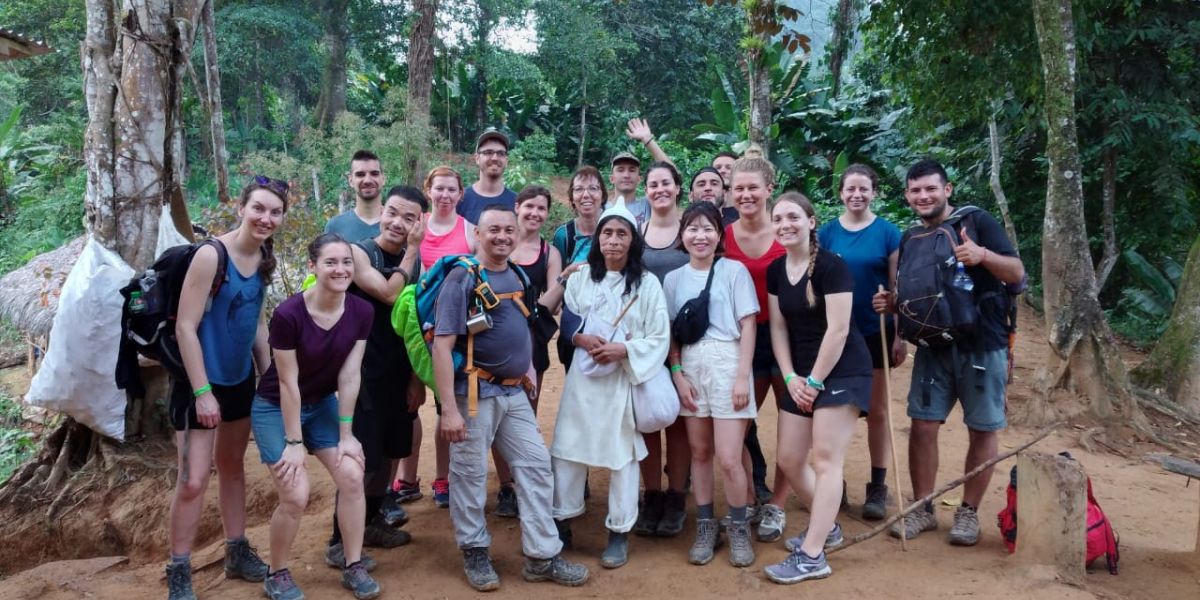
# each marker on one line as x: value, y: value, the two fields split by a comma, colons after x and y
x: 491, y: 155
x: 366, y: 179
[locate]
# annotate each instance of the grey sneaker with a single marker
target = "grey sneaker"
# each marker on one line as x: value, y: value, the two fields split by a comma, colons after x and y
x: 965, y: 531
x: 797, y: 567
x: 616, y: 554
x: 478, y: 565
x: 875, y: 506
x: 772, y: 524
x: 242, y: 561
x: 280, y: 586
x: 391, y: 512
x: 914, y: 524
x: 506, y: 502
x: 355, y: 579
x: 379, y: 535
x: 708, y: 538
x: 335, y: 557
x: 833, y: 540
x: 557, y: 569
x: 741, y: 552
x: 179, y: 582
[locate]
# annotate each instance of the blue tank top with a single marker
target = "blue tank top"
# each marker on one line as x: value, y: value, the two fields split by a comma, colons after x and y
x: 228, y: 327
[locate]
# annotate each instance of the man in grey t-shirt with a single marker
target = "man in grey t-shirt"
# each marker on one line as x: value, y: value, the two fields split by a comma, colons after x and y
x: 366, y: 179
x: 503, y: 416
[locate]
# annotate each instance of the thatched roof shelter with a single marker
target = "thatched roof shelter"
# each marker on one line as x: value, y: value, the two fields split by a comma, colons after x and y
x: 14, y: 45
x: 29, y: 295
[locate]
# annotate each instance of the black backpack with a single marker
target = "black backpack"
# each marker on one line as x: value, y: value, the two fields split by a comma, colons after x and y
x: 933, y: 311
x: 150, y: 306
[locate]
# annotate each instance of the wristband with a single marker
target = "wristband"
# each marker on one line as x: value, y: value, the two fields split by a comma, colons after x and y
x: 292, y: 442
x: 561, y: 280
x: 204, y: 389
x: 345, y: 419
x: 787, y: 379
x: 676, y: 369
x: 812, y: 382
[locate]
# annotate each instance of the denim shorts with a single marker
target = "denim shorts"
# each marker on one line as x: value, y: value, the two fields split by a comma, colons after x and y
x: 977, y: 378
x: 318, y: 427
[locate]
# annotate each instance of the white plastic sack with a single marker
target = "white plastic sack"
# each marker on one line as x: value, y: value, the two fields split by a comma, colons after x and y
x: 168, y: 236
x: 76, y: 376
x: 655, y: 402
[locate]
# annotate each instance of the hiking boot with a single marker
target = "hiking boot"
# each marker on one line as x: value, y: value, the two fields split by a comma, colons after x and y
x: 506, y: 502
x: 564, y: 533
x: 242, y: 561
x: 408, y: 491
x: 674, y: 515
x: 280, y: 586
x: 378, y: 535
x: 875, y: 506
x: 965, y: 531
x: 355, y: 579
x: 772, y: 524
x: 914, y: 524
x: 708, y: 538
x: 762, y: 493
x: 477, y: 563
x: 392, y: 513
x: 741, y: 552
x: 179, y: 581
x: 797, y: 567
x: 617, y: 552
x: 335, y: 556
x: 441, y: 493
x: 833, y: 540
x: 557, y: 569
x: 650, y: 513
x: 753, y: 516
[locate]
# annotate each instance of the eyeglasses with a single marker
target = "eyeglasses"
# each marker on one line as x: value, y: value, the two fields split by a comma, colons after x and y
x: 278, y: 186
x: 493, y: 153
x: 591, y: 188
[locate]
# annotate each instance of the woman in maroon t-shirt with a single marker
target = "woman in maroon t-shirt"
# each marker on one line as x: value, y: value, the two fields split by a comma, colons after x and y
x: 306, y: 401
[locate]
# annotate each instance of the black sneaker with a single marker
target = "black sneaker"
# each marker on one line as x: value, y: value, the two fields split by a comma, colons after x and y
x: 179, y: 581
x: 506, y: 502
x: 674, y: 515
x: 242, y: 561
x: 356, y: 579
x: 650, y: 513
x: 875, y: 506
x: 477, y: 563
x: 378, y: 535
x: 392, y: 513
x: 557, y: 569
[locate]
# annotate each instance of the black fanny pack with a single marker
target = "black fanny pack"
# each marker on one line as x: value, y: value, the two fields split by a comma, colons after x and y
x: 692, y: 320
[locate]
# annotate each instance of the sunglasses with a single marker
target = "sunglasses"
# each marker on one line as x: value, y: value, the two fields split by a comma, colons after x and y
x: 278, y: 186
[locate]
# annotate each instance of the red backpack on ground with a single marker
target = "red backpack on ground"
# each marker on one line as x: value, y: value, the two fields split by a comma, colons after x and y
x: 1101, y: 540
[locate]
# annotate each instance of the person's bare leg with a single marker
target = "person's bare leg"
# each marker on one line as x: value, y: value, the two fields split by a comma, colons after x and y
x: 983, y: 447
x: 700, y: 441
x: 727, y: 437
x: 679, y: 456
x: 782, y: 489
x: 188, y: 502
x: 408, y: 466
x: 230, y: 454
x: 878, y: 436
x: 285, y: 521
x: 347, y: 475
x: 651, y: 466
x: 923, y: 456
x: 832, y: 429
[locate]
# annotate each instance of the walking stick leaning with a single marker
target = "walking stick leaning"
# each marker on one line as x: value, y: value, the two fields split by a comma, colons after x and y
x: 887, y: 392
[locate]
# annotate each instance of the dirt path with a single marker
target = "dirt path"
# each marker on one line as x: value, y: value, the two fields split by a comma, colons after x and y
x: 1155, y: 516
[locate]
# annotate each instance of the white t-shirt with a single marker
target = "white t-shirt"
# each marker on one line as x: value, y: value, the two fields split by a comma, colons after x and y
x: 730, y: 298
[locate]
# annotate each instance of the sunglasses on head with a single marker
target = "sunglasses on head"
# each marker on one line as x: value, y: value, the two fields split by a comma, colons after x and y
x: 278, y: 186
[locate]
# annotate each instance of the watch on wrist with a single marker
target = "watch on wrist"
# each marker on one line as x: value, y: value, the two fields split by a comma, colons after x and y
x: 292, y: 442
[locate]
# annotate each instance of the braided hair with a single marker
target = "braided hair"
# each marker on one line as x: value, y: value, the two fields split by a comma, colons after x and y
x: 814, y: 248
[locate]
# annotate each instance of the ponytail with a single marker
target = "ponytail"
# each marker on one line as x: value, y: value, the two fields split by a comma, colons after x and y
x: 266, y: 267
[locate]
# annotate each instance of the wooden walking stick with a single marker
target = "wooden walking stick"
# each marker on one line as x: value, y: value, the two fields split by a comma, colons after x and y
x: 887, y: 392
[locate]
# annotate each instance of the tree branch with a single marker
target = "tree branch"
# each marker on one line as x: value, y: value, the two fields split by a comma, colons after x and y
x: 1109, y: 201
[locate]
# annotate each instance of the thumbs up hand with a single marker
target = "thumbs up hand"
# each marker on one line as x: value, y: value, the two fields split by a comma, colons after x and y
x: 968, y: 252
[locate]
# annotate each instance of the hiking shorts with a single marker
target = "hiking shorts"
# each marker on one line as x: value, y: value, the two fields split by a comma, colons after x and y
x: 382, y: 422
x: 852, y: 390
x: 318, y: 427
x: 233, y: 400
x: 711, y: 367
x: 977, y: 378
x: 763, y: 365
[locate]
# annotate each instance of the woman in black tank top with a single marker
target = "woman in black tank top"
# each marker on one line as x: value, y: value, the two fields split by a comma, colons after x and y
x: 533, y: 206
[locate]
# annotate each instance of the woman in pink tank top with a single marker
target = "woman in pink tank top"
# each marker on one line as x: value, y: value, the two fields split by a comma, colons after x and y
x: 446, y: 232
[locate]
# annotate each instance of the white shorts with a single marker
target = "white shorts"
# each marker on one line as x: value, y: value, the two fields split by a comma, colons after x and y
x: 711, y: 367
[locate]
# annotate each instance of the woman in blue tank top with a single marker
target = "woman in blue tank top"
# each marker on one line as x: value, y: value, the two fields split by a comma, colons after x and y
x: 220, y: 339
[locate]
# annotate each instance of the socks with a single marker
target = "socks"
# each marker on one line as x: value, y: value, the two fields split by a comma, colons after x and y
x: 879, y: 475
x: 929, y: 507
x: 969, y: 507
x: 181, y: 559
x: 705, y: 511
x: 738, y: 514
x: 240, y: 538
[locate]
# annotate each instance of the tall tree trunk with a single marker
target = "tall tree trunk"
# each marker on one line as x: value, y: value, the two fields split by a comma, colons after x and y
x: 101, y: 74
x: 1109, y: 201
x: 997, y: 189
x: 333, y: 82
x: 420, y: 75
x: 1174, y: 364
x: 760, y: 99
x: 216, y: 118
x: 840, y: 43
x: 582, y: 124
x: 1083, y: 356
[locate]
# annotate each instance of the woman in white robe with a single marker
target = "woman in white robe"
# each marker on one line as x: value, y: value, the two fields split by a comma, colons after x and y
x: 595, y: 426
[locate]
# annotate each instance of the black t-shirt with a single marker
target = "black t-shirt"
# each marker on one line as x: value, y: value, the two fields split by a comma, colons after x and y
x: 990, y: 293
x: 806, y: 324
x: 385, y: 356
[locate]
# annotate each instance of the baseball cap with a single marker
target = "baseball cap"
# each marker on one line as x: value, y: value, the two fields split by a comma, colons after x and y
x: 625, y: 156
x: 491, y: 134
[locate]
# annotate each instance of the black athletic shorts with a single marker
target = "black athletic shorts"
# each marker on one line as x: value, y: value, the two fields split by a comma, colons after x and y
x: 234, y: 400
x: 876, y: 350
x: 839, y: 391
x: 382, y: 422
x: 763, y: 365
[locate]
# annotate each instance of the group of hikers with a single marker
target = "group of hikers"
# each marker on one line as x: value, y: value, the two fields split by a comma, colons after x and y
x: 730, y: 294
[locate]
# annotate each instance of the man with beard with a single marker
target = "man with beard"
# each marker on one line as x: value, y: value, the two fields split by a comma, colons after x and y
x: 366, y: 179
x: 491, y: 156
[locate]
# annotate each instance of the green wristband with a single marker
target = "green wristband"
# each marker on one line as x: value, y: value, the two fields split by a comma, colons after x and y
x: 342, y: 419
x: 676, y: 369
x: 813, y: 383
x: 787, y: 379
x: 206, y: 388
